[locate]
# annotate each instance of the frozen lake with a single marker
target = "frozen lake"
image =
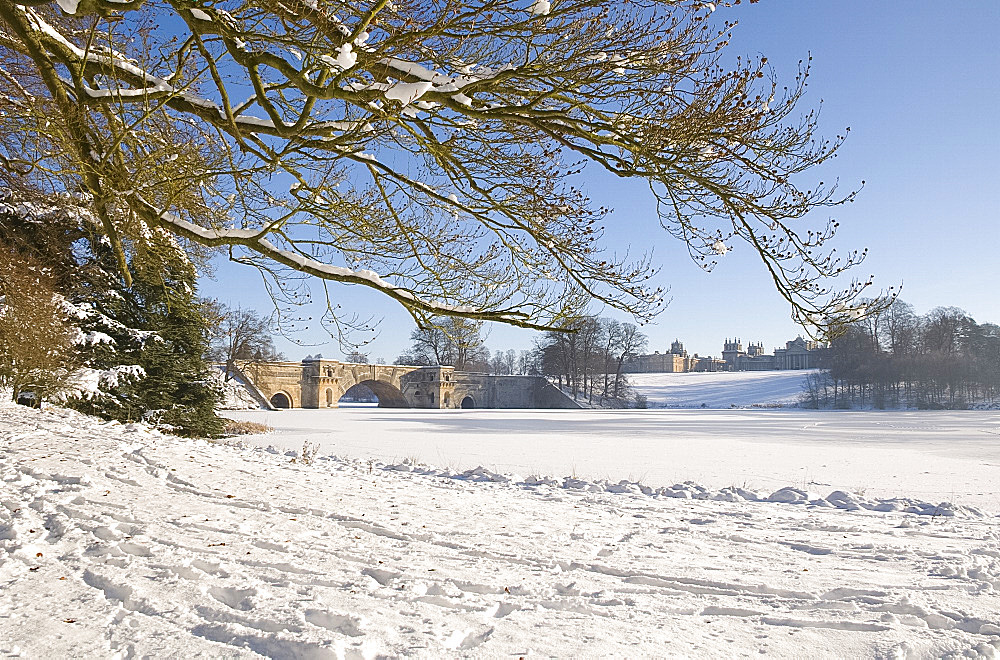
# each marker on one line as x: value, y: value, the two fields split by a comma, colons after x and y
x: 937, y: 456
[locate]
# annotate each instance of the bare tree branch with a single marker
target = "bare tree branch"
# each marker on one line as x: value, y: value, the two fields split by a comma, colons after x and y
x: 426, y: 149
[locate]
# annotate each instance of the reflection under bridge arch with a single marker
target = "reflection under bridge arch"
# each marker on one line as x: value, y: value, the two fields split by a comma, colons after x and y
x: 388, y: 395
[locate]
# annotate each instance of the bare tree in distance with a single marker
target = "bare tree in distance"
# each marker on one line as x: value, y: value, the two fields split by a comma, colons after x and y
x: 357, y: 357
x: 504, y: 363
x: 627, y: 343
x: 900, y: 325
x: 451, y: 341
x: 595, y: 351
x: 430, y: 347
x: 526, y: 363
x: 241, y: 336
x: 427, y: 151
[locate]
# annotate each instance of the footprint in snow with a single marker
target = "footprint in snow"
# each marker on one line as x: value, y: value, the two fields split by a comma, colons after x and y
x: 380, y: 576
x: 339, y: 623
x: 185, y: 572
x: 209, y: 567
x: 500, y: 610
x: 268, y: 545
x: 105, y: 533
x: 111, y: 589
x: 135, y: 549
x: 464, y: 640
x: 474, y: 588
x: 238, y: 599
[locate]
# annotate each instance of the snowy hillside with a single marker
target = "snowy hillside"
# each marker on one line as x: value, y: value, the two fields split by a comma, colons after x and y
x: 235, y: 392
x: 721, y: 389
x: 118, y: 541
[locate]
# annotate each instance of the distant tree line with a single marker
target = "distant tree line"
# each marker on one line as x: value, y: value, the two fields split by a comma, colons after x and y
x: 587, y: 362
x: 590, y: 360
x: 943, y: 359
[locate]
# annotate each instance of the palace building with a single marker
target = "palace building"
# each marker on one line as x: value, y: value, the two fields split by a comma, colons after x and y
x: 798, y: 353
x: 676, y: 360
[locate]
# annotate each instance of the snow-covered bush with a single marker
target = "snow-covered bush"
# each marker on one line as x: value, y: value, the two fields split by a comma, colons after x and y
x: 37, y: 355
x: 243, y: 427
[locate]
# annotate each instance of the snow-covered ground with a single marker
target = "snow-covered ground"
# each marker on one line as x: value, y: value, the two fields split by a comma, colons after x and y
x: 116, y: 541
x: 721, y: 389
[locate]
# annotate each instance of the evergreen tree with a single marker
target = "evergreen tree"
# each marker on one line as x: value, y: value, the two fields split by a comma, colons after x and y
x: 176, y: 392
x: 144, y: 345
x: 161, y: 329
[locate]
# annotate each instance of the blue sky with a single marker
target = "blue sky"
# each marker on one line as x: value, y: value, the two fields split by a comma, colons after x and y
x: 918, y: 84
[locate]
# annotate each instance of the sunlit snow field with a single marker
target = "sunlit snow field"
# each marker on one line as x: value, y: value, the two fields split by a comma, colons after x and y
x: 721, y: 389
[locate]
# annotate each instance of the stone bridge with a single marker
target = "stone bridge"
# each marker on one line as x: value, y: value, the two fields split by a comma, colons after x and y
x: 320, y: 383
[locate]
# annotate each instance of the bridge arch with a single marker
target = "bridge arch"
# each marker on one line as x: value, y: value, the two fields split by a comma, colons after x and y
x: 281, y: 400
x: 468, y: 402
x: 388, y: 395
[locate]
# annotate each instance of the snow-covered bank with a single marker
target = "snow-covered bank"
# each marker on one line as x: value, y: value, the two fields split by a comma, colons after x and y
x: 117, y: 541
x: 933, y: 456
x: 236, y: 393
x: 721, y: 389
